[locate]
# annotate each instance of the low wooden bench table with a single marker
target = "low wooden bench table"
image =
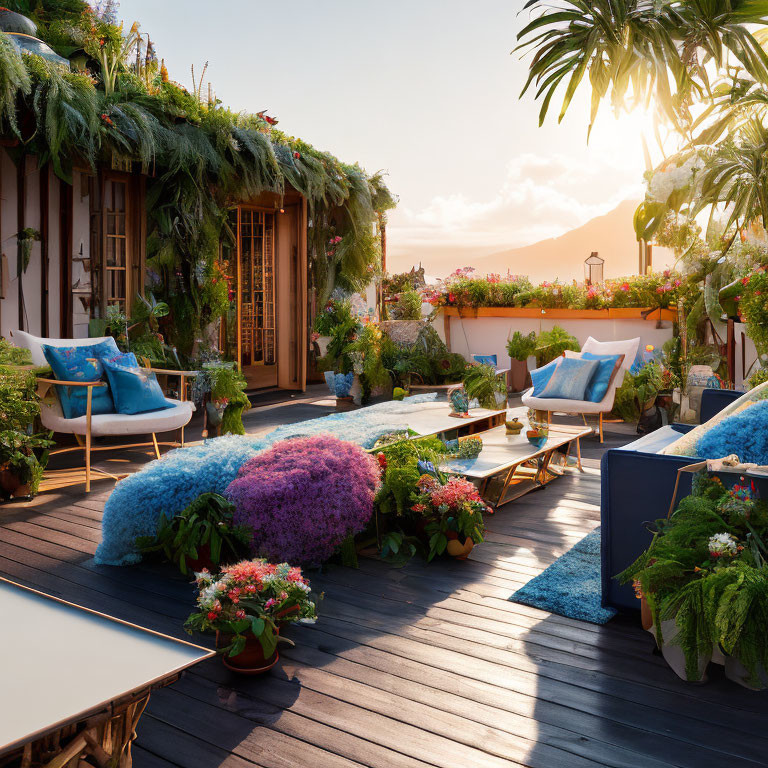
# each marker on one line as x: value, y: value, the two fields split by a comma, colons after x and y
x: 75, y: 682
x: 509, y: 466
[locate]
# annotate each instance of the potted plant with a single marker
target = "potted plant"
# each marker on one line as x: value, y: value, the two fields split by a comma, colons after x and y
x: 201, y: 536
x: 704, y: 580
x: 520, y: 347
x: 551, y: 344
x: 454, y: 514
x: 245, y: 605
x: 648, y: 382
x: 23, y: 454
x: 482, y: 383
x: 22, y: 460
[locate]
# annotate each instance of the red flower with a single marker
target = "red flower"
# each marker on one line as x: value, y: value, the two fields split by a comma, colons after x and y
x: 382, y: 460
x: 452, y: 297
x: 745, y: 280
x: 297, y: 155
x: 212, y: 616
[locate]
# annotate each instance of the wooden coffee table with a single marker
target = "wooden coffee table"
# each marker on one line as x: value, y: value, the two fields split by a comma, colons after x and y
x: 75, y: 682
x: 509, y: 466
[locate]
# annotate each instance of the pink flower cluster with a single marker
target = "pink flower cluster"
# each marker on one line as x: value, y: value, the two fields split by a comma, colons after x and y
x: 454, y: 493
x: 304, y: 496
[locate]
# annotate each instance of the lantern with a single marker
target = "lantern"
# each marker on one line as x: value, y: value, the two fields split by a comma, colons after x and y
x: 593, y: 269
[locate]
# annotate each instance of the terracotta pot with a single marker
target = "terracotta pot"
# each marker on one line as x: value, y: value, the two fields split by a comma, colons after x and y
x: 518, y: 377
x: 456, y: 549
x: 9, y: 481
x: 23, y: 491
x: 251, y: 660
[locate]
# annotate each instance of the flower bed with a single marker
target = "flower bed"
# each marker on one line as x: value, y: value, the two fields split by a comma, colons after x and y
x: 464, y: 290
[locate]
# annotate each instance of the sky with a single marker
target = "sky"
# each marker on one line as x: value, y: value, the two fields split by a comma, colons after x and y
x: 426, y: 90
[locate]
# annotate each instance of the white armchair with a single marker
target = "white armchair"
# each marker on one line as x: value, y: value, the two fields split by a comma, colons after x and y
x: 89, y: 426
x: 627, y: 348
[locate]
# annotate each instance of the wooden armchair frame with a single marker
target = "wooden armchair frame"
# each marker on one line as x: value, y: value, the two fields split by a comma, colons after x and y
x: 85, y: 442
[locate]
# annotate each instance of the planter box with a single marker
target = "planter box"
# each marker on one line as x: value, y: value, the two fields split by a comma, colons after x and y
x: 623, y: 313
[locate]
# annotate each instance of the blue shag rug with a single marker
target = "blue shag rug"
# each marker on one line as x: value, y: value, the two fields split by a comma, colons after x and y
x: 571, y: 585
x: 167, y: 485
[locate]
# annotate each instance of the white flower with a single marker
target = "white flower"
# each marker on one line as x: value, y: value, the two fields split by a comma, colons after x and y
x: 722, y: 545
x: 668, y: 180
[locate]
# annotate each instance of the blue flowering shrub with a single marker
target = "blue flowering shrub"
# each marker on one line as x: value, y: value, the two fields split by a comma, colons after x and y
x: 168, y: 485
x: 165, y: 487
x: 744, y: 433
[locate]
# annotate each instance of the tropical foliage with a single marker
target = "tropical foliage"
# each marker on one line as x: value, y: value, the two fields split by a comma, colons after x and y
x: 201, y: 157
x: 706, y: 572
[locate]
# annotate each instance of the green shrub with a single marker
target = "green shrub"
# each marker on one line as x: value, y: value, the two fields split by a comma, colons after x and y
x: 408, y: 306
x: 521, y: 347
x: 483, y: 384
x: 551, y: 344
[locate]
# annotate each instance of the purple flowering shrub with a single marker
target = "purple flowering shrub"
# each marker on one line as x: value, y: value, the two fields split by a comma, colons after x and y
x: 304, y: 496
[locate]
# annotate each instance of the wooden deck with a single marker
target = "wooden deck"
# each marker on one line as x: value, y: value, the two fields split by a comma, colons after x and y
x: 428, y: 665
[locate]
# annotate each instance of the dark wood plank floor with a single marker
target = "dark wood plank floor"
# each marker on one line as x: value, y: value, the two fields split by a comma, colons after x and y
x: 428, y: 665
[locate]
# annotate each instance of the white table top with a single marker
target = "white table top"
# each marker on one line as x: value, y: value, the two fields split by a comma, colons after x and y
x: 58, y: 661
x: 502, y: 451
x: 434, y: 417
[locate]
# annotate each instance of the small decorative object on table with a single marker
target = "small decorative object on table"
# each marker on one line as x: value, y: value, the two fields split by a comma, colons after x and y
x: 537, y: 433
x: 459, y: 401
x: 514, y: 427
x: 246, y: 604
x: 464, y: 448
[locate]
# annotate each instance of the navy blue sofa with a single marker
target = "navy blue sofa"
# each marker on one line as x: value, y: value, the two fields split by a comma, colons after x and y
x: 636, y: 486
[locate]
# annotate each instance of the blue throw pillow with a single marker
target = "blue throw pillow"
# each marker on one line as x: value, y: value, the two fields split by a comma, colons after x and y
x: 745, y: 433
x: 570, y: 379
x: 606, y: 364
x: 78, y: 364
x: 134, y: 389
x: 486, y: 360
x: 128, y: 359
x: 106, y: 348
x: 540, y: 376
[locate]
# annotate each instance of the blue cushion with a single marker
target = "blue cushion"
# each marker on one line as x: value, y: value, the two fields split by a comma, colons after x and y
x: 570, y: 379
x: 73, y: 364
x: 486, y: 360
x: 540, y: 376
x: 106, y: 348
x: 128, y: 359
x: 597, y: 388
x: 134, y: 389
x: 744, y: 433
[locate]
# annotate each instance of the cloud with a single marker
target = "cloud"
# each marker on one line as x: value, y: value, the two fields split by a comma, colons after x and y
x: 541, y: 197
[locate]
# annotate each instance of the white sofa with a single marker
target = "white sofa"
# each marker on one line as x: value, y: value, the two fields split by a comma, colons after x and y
x: 91, y: 426
x: 627, y: 348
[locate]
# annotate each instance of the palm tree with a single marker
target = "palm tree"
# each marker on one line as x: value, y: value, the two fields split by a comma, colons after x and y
x: 736, y: 176
x: 640, y: 47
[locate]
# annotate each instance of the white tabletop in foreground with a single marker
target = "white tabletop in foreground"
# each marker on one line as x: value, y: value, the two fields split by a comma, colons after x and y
x: 58, y: 661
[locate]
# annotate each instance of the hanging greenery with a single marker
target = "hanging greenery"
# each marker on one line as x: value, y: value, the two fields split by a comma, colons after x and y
x: 201, y: 158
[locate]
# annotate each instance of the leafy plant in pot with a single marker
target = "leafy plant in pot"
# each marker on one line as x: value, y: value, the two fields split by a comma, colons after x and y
x: 520, y: 347
x: 481, y: 383
x: 23, y: 454
x: 647, y: 383
x: 454, y: 511
x: 551, y: 344
x: 201, y: 536
x: 246, y: 605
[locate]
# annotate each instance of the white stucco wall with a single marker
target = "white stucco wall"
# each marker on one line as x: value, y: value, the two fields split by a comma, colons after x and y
x: 488, y: 335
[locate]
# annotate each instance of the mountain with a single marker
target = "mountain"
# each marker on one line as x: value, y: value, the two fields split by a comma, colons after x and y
x: 611, y: 235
